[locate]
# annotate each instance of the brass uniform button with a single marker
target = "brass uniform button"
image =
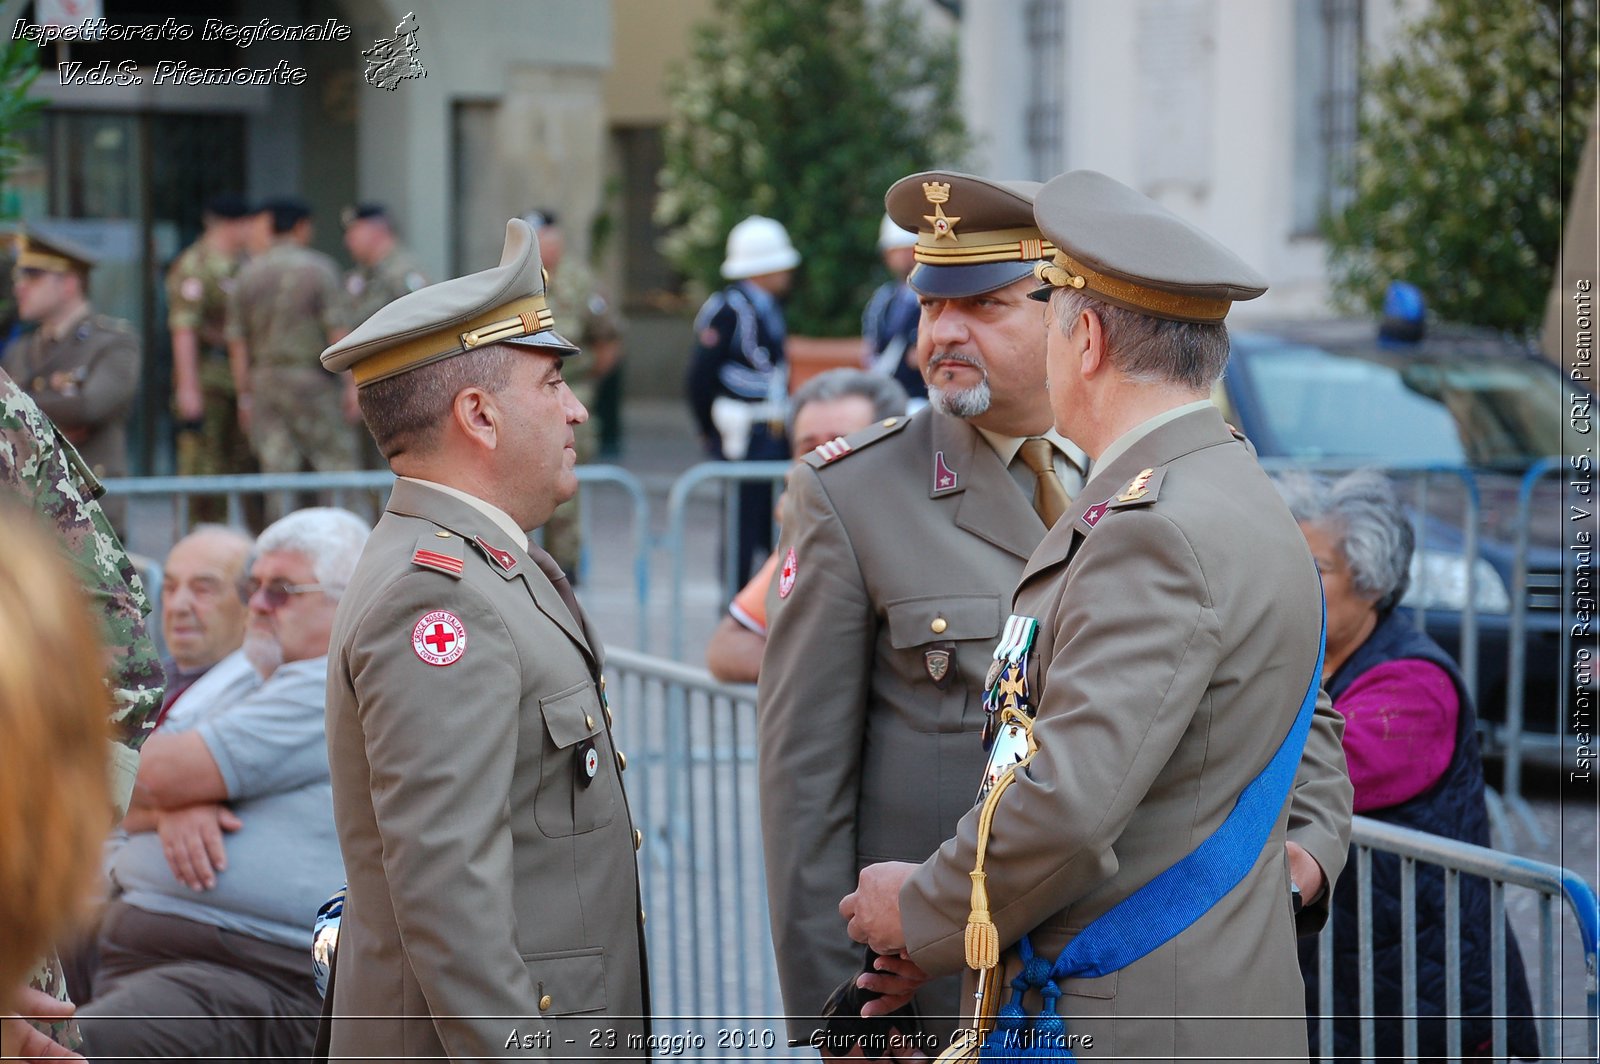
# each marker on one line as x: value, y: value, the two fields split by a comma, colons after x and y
x: 608, y: 716
x: 545, y: 1003
x: 890, y: 423
x: 638, y: 840
x: 641, y: 917
x: 622, y: 761
x: 588, y: 720
x: 602, y: 685
x: 939, y: 625
x: 442, y: 534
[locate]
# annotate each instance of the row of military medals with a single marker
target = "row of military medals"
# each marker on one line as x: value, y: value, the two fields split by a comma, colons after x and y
x: 1008, y: 709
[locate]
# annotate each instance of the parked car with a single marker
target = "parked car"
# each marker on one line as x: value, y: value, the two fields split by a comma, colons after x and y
x: 1334, y: 395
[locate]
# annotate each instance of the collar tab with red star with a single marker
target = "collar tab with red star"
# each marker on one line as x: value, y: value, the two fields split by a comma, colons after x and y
x: 502, y: 561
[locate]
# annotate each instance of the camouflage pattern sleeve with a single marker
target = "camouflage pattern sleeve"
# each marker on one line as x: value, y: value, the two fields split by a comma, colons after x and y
x: 44, y: 473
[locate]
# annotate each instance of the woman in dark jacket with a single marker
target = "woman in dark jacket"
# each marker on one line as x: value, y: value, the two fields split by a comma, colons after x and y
x: 1412, y: 746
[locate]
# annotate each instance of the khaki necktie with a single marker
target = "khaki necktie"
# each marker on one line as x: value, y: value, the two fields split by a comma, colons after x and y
x: 1050, y: 499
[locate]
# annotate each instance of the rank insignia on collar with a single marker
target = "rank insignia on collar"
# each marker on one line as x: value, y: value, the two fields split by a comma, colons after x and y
x: 503, y: 558
x: 1136, y: 487
x: 1093, y: 514
x: 944, y: 478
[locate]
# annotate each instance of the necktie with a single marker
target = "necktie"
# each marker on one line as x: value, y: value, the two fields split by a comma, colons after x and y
x: 1050, y: 499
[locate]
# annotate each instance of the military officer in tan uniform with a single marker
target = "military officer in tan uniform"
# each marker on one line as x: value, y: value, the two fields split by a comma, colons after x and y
x: 81, y: 368
x: 576, y: 299
x: 493, y: 904
x: 1179, y: 621
x: 210, y: 440
x: 283, y: 310
x: 900, y: 548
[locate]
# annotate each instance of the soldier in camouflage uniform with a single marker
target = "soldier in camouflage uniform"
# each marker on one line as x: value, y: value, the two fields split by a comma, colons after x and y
x: 42, y: 471
x: 588, y: 320
x: 385, y: 271
x: 210, y: 440
x: 284, y: 309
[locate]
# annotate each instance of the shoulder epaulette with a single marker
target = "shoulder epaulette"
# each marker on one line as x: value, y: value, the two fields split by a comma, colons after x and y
x: 1140, y: 490
x: 843, y: 446
x: 442, y: 552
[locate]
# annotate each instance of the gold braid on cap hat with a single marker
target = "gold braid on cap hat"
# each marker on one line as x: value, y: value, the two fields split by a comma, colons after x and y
x: 984, y: 246
x: 521, y: 317
x: 1064, y: 272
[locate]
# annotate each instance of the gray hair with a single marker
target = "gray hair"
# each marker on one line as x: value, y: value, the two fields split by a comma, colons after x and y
x: 1363, y: 512
x: 329, y: 538
x: 1147, y: 349
x: 887, y: 397
x: 404, y: 412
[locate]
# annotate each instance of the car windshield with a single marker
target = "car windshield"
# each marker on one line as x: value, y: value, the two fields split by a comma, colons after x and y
x: 1400, y: 409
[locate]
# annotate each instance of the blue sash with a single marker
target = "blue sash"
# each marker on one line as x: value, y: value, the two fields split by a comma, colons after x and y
x: 1160, y: 910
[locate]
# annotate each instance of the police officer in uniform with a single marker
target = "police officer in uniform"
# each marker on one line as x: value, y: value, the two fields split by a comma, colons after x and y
x: 900, y: 548
x: 493, y: 895
x: 284, y: 309
x: 575, y: 297
x: 210, y: 440
x: 1165, y: 636
x: 738, y: 360
x: 81, y: 368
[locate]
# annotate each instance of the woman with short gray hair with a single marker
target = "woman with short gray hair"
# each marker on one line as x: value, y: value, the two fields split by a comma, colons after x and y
x: 1411, y: 742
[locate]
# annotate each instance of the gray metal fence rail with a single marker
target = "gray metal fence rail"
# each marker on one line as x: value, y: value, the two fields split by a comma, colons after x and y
x: 691, y: 781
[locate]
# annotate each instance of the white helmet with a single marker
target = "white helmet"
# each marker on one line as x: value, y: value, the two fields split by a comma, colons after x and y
x: 890, y: 235
x: 756, y: 246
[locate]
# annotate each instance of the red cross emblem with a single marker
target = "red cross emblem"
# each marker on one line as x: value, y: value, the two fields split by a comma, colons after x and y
x: 439, y: 638
x: 786, y: 575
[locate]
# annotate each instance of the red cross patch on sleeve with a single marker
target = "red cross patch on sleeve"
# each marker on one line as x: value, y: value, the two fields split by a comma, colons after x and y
x: 439, y: 638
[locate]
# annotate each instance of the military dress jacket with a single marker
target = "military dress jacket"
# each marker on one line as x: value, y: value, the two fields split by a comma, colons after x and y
x: 1179, y: 622
x: 898, y: 564
x: 85, y: 380
x: 493, y: 904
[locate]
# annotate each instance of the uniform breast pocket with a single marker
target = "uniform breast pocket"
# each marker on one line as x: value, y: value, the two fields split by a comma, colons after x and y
x: 577, y: 787
x: 942, y: 645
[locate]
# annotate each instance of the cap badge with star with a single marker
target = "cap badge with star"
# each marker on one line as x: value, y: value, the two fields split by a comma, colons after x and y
x: 979, y: 237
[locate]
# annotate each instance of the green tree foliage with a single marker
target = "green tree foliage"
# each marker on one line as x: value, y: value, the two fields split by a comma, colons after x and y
x: 1469, y: 141
x: 806, y: 113
x: 19, y: 65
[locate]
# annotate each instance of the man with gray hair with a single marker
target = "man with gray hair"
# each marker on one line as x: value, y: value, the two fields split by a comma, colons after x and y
x: 827, y: 407
x: 1159, y: 684
x: 202, y: 950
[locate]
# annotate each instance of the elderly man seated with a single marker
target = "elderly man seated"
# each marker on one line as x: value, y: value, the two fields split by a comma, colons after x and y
x: 202, y: 604
x: 202, y: 950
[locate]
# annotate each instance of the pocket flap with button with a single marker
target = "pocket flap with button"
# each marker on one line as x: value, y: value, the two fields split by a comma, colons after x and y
x: 571, y: 716
x: 572, y: 980
x: 913, y: 622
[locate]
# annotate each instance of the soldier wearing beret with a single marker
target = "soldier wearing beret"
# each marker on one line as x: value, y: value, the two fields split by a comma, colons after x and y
x: 284, y: 309
x: 900, y: 548
x: 210, y: 440
x: 82, y: 368
x: 1164, y: 651
x: 493, y: 892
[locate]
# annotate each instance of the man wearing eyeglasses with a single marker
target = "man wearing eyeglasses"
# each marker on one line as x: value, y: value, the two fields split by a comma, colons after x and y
x: 231, y: 844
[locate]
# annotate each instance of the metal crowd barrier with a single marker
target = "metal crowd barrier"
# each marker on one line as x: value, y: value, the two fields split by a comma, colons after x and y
x: 151, y: 534
x: 730, y: 475
x: 1560, y: 897
x: 691, y: 749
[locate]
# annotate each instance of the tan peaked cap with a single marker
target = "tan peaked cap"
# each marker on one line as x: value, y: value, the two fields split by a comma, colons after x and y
x: 502, y: 305
x: 1123, y: 247
x: 974, y: 234
x: 38, y: 247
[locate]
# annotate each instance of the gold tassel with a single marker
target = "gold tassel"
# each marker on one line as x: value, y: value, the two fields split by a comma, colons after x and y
x: 983, y: 938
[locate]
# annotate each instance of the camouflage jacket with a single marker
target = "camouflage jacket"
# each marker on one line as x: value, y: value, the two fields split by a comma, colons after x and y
x: 583, y: 315
x: 198, y: 284
x: 284, y: 306
x: 368, y: 289
x: 43, y: 472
